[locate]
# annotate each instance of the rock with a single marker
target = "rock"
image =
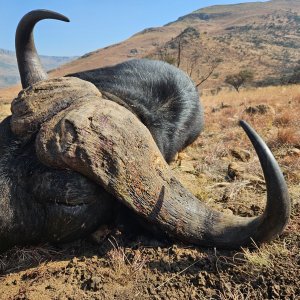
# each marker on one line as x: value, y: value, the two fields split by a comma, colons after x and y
x: 260, y: 109
x: 221, y: 184
x: 235, y: 171
x: 254, y: 180
x: 187, y: 166
x: 294, y: 152
x: 227, y: 211
x: 179, y: 157
x: 240, y: 154
x: 182, y: 156
x: 133, y: 51
x: 222, y: 106
x: 226, y: 196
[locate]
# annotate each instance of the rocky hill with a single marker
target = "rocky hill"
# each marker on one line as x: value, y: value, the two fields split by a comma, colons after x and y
x: 217, y: 41
x: 262, y: 37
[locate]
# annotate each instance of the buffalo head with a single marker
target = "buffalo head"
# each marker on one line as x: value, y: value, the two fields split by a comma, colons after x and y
x: 68, y: 154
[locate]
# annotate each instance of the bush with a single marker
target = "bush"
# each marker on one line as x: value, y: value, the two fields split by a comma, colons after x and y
x: 237, y: 80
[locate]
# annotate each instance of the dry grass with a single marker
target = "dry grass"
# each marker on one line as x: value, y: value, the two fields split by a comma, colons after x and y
x: 270, y: 271
x: 271, y: 251
x: 122, y: 264
x: 286, y: 118
x: 253, y: 263
x: 235, y: 293
x: 279, y: 127
x: 284, y: 101
x: 289, y: 136
x: 20, y: 258
x: 260, y: 258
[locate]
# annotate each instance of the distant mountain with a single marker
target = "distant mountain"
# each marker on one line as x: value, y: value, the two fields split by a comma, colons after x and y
x: 9, y: 71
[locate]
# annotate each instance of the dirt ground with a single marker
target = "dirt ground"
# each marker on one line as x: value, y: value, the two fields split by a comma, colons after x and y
x: 221, y: 169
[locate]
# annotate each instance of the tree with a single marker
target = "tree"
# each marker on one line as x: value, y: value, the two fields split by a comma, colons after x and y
x: 293, y: 77
x: 165, y: 56
x: 189, y: 52
x: 239, y: 79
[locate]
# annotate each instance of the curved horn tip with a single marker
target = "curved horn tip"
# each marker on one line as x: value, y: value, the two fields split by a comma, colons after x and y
x: 30, y: 67
x: 49, y: 14
x: 253, y: 135
x: 243, y: 124
x: 278, y: 209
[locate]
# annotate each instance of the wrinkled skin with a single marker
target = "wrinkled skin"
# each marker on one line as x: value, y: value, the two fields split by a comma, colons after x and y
x: 64, y: 164
x: 40, y: 204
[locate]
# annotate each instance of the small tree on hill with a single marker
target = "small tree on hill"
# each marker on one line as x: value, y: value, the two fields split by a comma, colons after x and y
x: 237, y: 80
x: 188, y: 51
x: 293, y: 77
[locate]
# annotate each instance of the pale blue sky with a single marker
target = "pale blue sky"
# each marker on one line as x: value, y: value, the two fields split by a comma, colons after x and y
x: 94, y: 23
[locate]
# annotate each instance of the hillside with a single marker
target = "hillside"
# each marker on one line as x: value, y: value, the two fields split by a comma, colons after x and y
x: 263, y: 37
x: 9, y: 74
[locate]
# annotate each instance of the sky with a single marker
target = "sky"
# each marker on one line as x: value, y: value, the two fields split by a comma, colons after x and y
x: 93, y: 24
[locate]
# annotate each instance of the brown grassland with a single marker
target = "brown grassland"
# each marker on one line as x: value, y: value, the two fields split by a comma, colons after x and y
x: 220, y: 168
